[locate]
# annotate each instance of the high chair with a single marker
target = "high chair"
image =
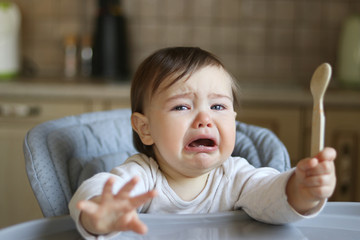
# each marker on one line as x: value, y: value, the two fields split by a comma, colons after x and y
x: 60, y: 154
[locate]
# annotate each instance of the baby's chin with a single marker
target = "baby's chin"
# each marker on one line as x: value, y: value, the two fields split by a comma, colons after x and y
x: 203, y: 163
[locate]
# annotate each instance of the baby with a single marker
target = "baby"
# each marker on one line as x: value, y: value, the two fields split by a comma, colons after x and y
x: 183, y: 115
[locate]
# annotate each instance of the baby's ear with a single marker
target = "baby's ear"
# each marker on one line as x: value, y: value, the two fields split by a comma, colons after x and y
x: 140, y: 124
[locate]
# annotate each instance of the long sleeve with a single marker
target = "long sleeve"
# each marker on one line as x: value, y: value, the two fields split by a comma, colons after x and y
x: 263, y: 197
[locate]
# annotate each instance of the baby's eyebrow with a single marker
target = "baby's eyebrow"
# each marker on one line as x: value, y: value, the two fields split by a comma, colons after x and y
x: 191, y: 95
x: 181, y: 95
x: 219, y: 95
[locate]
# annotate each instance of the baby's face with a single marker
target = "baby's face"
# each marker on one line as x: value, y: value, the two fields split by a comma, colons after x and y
x: 192, y: 123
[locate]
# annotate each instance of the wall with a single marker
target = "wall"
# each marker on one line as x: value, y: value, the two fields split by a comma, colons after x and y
x: 277, y: 41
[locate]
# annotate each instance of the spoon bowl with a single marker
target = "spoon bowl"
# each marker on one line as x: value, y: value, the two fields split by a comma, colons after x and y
x: 318, y: 85
x: 320, y: 80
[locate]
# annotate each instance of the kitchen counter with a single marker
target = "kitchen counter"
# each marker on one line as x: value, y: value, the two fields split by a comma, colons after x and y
x: 65, y: 88
x: 262, y: 94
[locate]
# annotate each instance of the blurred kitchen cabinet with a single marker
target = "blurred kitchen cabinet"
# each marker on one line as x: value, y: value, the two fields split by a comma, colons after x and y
x: 284, y: 122
x: 116, y: 103
x: 120, y: 103
x: 343, y: 133
x: 17, y: 201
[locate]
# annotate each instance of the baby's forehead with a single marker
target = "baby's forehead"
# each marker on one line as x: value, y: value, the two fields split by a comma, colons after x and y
x: 212, y: 79
x: 200, y: 73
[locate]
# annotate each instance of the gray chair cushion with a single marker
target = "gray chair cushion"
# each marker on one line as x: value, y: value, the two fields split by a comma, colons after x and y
x: 62, y: 153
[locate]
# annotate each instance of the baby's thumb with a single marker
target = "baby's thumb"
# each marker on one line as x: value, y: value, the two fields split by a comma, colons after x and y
x: 306, y: 164
x: 327, y: 154
x: 87, y: 206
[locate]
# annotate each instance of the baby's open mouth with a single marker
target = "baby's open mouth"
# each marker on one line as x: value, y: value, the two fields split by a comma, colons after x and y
x: 202, y: 143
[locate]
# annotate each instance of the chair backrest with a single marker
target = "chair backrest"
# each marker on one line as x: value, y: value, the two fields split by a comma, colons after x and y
x: 60, y: 154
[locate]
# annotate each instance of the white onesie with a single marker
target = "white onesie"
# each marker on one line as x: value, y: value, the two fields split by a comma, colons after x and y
x: 236, y: 184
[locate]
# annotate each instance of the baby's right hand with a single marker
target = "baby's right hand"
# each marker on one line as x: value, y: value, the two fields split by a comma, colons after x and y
x: 110, y: 213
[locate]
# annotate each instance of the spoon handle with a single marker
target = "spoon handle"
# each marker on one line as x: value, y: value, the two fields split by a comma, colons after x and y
x: 318, y: 128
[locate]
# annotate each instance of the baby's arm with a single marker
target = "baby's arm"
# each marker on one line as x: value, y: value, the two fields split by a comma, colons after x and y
x: 313, y: 181
x: 109, y: 213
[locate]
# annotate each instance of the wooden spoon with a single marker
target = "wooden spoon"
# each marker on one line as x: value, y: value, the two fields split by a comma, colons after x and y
x: 319, y: 82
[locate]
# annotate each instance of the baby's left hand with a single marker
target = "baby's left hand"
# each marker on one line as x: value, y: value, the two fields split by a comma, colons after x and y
x: 313, y: 181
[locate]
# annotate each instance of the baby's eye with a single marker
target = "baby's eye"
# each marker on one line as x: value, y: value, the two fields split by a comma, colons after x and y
x: 180, y: 108
x: 218, y: 107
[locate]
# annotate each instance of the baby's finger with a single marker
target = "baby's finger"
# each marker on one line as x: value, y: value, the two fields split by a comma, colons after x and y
x: 143, y: 198
x: 107, y: 194
x: 127, y: 188
x: 321, y: 192
x: 325, y: 167
x: 138, y: 226
x: 327, y: 154
x: 306, y: 164
x: 318, y: 181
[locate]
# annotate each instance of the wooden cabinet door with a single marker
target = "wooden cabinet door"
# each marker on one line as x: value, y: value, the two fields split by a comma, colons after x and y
x: 343, y: 133
x: 284, y: 122
x: 17, y: 201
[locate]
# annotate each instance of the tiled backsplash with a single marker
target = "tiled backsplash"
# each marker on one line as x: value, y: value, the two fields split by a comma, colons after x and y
x: 276, y: 41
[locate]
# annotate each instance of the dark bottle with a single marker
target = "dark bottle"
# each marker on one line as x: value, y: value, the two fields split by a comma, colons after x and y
x: 110, y: 52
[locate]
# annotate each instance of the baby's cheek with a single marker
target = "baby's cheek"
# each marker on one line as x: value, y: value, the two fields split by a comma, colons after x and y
x: 229, y: 142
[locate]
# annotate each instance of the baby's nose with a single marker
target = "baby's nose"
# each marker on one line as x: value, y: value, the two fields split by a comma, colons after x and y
x: 203, y: 119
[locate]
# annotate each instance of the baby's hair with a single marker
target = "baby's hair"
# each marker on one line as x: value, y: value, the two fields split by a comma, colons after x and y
x: 172, y: 64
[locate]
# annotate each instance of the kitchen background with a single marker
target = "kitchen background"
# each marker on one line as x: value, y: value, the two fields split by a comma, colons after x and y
x: 271, y: 46
x: 272, y: 41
